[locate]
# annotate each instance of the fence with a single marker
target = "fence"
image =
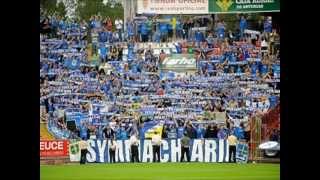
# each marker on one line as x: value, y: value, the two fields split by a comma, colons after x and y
x: 261, y: 129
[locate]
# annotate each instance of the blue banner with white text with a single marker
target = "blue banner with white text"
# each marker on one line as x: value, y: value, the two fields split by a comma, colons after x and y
x: 201, y: 150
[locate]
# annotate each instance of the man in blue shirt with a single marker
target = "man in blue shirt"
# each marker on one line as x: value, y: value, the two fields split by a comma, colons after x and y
x: 144, y: 32
x: 276, y: 70
x: 264, y: 69
x: 179, y: 29
x: 200, y: 131
x: 103, y: 52
x: 102, y: 36
x: 163, y: 32
x: 243, y: 25
x: 180, y: 131
x: 273, y: 101
x: 253, y: 68
x: 221, y: 29
x: 267, y: 26
x: 239, y: 132
x: 199, y: 37
x: 130, y: 30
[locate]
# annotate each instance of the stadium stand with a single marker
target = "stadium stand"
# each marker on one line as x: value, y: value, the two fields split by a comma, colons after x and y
x: 236, y: 76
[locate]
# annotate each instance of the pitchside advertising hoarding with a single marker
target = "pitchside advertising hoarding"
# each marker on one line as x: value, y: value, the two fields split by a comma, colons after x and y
x: 201, y: 150
x: 206, y: 6
x: 54, y: 148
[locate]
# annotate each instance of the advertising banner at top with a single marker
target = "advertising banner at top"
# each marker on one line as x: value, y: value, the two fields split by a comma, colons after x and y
x: 172, y: 6
x: 243, y: 6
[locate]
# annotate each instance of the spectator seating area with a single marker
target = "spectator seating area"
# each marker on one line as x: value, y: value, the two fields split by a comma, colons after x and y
x: 128, y: 91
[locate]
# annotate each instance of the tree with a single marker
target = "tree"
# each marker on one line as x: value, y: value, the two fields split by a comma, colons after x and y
x: 51, y: 7
x: 48, y: 5
x: 61, y: 9
x: 87, y: 8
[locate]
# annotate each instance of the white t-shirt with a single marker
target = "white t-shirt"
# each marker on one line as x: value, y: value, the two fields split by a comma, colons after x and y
x: 133, y: 140
x: 114, y: 146
x: 118, y: 23
x: 156, y: 140
x: 264, y: 43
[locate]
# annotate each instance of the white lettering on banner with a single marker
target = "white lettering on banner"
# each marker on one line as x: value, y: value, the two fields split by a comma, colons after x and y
x: 227, y: 152
x: 243, y: 1
x: 139, y: 150
x: 51, y: 145
x: 210, y: 149
x: 109, y: 145
x: 175, y: 149
x: 221, y: 148
x: 206, y: 150
x: 197, y: 151
x: 262, y: 1
x: 101, y: 149
x: 164, y: 148
x: 91, y: 155
x: 119, y: 151
x: 127, y: 150
x: 147, y: 151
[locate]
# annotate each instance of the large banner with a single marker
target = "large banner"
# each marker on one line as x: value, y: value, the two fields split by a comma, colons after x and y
x: 172, y: 6
x: 207, y: 150
x: 234, y: 6
x: 54, y: 148
x: 179, y: 61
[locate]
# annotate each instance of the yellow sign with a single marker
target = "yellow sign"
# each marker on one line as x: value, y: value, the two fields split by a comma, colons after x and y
x: 152, y: 131
x: 224, y: 4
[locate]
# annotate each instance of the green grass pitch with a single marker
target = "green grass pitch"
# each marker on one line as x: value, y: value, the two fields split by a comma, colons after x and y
x: 161, y: 171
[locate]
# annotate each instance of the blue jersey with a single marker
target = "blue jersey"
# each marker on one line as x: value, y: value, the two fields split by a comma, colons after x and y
x: 123, y: 135
x: 179, y: 25
x: 253, y: 69
x: 83, y: 132
x: 239, y: 133
x: 103, y: 37
x: 273, y: 101
x: 163, y: 28
x: 276, y: 69
x: 62, y: 25
x: 180, y: 131
x: 103, y: 51
x: 239, y: 69
x: 264, y: 69
x: 233, y: 58
x: 200, y: 133
x: 221, y: 30
x: 199, y: 36
x: 267, y: 26
x: 243, y: 24
x: 222, y: 134
x: 246, y: 55
x: 130, y: 29
x: 143, y: 29
x: 157, y: 37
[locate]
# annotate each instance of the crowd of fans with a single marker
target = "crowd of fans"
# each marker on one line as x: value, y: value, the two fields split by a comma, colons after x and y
x: 238, y: 76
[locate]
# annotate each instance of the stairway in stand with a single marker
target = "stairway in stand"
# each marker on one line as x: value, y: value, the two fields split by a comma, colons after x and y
x: 44, y: 133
